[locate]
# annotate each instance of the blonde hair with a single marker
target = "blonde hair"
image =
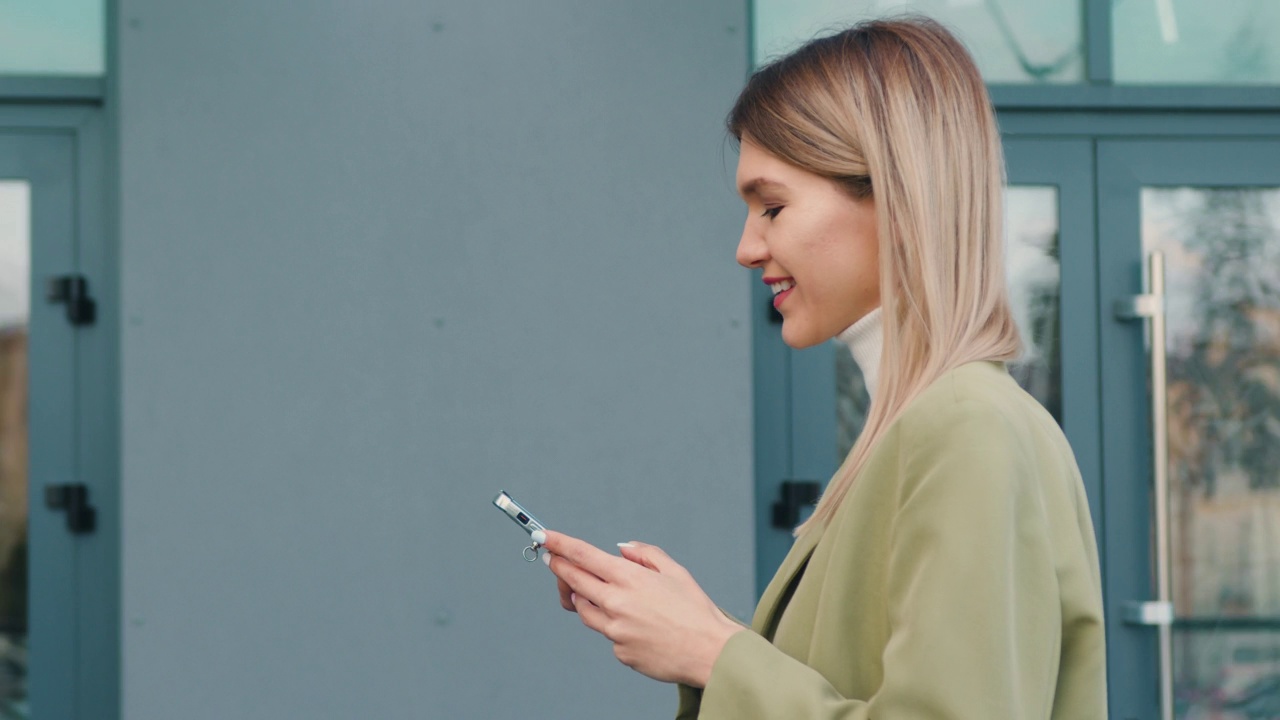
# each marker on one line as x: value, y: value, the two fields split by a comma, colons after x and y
x: 897, y: 109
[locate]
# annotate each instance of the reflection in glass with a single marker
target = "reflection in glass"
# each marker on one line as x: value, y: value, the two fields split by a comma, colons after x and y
x: 1035, y: 284
x: 1013, y: 41
x: 52, y: 37
x: 852, y: 402
x: 1192, y: 41
x: 1222, y: 249
x: 15, y: 274
x: 1032, y: 267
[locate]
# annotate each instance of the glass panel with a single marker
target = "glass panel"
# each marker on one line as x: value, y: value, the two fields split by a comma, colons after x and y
x: 1013, y: 41
x: 852, y: 402
x: 1222, y: 250
x: 1031, y: 258
x: 15, y: 279
x: 52, y: 37
x: 1035, y: 284
x: 1192, y: 41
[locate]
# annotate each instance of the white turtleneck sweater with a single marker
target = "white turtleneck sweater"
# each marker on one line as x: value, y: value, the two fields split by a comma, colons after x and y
x: 865, y: 339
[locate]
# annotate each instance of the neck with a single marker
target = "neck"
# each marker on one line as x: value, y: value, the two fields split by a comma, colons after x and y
x: 865, y: 339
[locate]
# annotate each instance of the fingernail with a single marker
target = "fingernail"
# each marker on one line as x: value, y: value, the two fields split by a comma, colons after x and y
x: 546, y: 559
x: 538, y: 536
x: 626, y: 544
x: 573, y: 598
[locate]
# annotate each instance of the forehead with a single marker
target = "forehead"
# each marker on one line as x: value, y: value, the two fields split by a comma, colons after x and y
x: 760, y: 170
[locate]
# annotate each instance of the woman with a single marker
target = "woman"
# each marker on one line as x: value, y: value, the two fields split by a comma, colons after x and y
x: 950, y: 569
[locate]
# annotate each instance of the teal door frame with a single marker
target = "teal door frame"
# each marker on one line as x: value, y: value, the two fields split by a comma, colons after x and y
x: 60, y: 147
x: 1067, y: 165
x: 44, y: 162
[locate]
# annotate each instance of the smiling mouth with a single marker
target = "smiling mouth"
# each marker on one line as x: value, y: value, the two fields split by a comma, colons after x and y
x: 781, y: 286
x: 781, y: 290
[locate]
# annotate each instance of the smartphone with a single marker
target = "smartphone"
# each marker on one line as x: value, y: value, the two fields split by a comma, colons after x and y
x: 517, y: 513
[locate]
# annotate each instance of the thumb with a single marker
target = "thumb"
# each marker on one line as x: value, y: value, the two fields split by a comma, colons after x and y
x: 650, y: 556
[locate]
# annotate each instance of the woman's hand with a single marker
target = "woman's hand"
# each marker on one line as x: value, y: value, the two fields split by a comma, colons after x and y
x: 651, y: 609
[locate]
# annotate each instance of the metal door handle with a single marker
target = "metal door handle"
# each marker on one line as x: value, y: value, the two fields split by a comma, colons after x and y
x: 1150, y: 306
x: 796, y: 495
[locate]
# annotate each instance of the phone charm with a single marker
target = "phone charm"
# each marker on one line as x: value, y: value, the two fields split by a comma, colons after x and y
x: 534, y: 547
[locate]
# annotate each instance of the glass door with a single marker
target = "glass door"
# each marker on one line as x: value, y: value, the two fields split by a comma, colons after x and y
x: 37, y: 414
x: 1189, y: 239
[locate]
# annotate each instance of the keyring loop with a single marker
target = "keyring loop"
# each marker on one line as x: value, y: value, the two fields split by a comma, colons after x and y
x: 534, y: 548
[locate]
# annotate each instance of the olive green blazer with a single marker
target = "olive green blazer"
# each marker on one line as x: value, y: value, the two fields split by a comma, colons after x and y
x: 958, y: 580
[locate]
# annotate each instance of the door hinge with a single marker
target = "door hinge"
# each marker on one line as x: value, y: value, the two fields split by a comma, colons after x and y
x: 73, y: 290
x: 73, y: 498
x: 796, y: 496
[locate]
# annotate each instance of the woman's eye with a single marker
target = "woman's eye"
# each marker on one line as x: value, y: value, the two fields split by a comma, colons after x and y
x: 772, y: 212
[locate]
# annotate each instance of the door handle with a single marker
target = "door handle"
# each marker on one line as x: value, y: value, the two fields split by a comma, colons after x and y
x: 795, y: 496
x: 1150, y: 306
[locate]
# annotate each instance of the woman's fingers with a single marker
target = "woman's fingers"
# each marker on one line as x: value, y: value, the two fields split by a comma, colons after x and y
x: 650, y: 556
x: 659, y: 620
x: 591, y: 614
x: 579, y: 567
x: 579, y: 581
x: 566, y: 595
x: 584, y: 555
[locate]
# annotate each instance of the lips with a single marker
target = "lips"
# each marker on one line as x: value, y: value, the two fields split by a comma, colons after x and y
x: 781, y: 288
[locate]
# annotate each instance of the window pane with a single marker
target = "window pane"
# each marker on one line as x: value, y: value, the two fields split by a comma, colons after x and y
x: 1222, y: 250
x: 1192, y: 41
x: 15, y: 283
x: 1035, y: 282
x: 1013, y: 41
x: 52, y: 37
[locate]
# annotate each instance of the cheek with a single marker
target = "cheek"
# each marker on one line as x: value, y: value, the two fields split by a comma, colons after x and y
x: 847, y: 249
x: 851, y: 259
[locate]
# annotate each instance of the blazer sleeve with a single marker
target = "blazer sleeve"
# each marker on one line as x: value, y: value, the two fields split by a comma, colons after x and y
x: 972, y: 597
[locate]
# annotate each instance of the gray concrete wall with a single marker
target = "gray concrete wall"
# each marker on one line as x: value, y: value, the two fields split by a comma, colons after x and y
x: 379, y: 261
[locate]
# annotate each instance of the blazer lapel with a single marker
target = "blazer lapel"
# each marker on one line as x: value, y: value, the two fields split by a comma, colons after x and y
x: 795, y: 560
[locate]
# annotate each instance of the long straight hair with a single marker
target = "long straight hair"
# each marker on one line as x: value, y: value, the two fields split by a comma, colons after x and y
x: 898, y: 107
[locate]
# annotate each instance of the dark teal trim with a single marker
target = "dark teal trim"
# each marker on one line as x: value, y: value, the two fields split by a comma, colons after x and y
x: 773, y: 426
x: 100, y: 680
x: 1236, y: 624
x: 98, y: 604
x: 1067, y: 164
x: 1131, y: 651
x: 92, y: 689
x: 51, y: 89
x: 1097, y: 41
x: 1135, y: 97
x: 1137, y: 124
x: 45, y: 161
x: 814, y: 447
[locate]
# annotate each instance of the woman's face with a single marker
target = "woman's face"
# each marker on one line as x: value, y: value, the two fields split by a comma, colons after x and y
x: 815, y: 243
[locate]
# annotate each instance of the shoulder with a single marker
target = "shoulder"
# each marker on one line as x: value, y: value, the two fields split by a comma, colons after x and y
x: 976, y: 422
x: 979, y: 394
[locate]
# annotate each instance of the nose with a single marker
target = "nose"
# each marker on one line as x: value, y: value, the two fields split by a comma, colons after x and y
x: 752, y: 250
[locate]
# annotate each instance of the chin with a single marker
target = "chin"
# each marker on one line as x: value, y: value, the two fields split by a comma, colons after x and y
x: 799, y: 339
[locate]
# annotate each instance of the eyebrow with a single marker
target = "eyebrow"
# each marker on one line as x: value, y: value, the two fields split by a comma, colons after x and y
x: 755, y: 185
